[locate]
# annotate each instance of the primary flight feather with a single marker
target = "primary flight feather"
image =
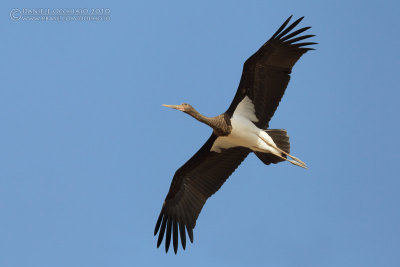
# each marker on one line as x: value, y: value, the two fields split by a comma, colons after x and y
x: 242, y: 129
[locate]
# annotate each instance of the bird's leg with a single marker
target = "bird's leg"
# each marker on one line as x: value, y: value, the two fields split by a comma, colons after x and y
x: 295, y: 161
x: 287, y: 154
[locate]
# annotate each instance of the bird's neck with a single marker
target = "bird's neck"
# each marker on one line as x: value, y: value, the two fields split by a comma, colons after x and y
x: 218, y: 123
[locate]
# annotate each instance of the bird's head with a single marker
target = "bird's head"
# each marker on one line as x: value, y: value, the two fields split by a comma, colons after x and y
x: 182, y: 107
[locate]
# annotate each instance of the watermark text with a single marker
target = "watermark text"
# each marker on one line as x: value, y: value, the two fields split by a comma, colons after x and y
x: 60, y: 14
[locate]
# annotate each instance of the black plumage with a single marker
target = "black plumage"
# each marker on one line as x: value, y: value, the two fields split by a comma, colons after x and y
x: 264, y: 79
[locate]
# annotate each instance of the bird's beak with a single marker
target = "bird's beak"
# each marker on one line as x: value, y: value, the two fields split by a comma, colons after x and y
x: 178, y: 107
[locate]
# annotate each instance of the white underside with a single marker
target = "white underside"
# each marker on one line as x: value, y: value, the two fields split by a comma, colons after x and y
x: 244, y: 132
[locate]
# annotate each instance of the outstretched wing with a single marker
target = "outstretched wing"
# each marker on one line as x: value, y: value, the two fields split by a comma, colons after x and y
x: 192, y: 185
x: 266, y: 74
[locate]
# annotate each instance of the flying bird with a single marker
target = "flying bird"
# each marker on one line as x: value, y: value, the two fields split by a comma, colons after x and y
x: 242, y: 129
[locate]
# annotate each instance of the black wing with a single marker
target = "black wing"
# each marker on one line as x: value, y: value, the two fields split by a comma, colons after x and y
x: 265, y: 74
x: 192, y: 185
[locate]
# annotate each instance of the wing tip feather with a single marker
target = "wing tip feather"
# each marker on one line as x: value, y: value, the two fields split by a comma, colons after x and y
x: 162, y: 230
x: 284, y: 34
x: 168, y: 226
x: 175, y: 236
x: 282, y: 27
x: 168, y: 235
x: 289, y: 28
x: 190, y: 233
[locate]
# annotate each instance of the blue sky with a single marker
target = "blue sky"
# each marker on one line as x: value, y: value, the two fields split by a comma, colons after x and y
x: 88, y: 152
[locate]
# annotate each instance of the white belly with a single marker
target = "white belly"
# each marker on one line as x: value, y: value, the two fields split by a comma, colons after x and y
x: 244, y: 133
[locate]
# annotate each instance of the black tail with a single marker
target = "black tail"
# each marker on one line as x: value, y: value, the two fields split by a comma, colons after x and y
x: 281, y: 139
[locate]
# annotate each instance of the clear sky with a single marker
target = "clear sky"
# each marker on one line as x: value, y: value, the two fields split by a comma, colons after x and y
x: 87, y: 152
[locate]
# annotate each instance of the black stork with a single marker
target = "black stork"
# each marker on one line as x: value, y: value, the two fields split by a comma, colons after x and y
x: 242, y: 129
